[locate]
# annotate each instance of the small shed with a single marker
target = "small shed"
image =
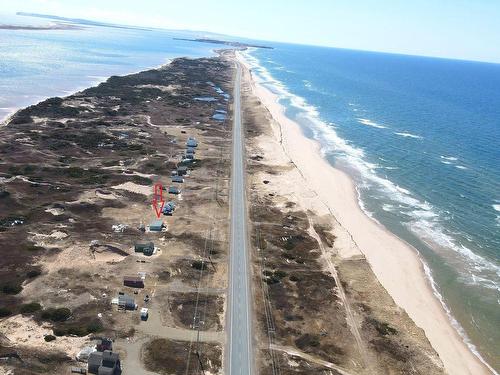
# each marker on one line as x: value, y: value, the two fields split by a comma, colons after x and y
x: 133, y: 282
x: 126, y: 302
x: 169, y: 208
x: 177, y: 179
x: 156, y: 226
x: 105, y: 344
x: 144, y: 247
x: 104, y: 363
x: 174, y: 190
x: 182, y: 170
x: 191, y: 142
x: 94, y: 362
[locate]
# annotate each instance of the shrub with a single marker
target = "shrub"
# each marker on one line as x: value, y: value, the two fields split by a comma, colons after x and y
x: 32, y: 247
x: 77, y: 331
x: 49, y: 338
x: 59, y: 331
x: 34, y: 273
x: 30, y: 308
x: 4, y: 312
x: 280, y: 274
x: 142, y: 180
x: 199, y: 265
x: 56, y: 315
x: 272, y: 280
x: 11, y: 288
x: 382, y: 328
x: 94, y: 326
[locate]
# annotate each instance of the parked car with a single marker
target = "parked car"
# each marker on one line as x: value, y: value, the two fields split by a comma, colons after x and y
x: 144, y: 313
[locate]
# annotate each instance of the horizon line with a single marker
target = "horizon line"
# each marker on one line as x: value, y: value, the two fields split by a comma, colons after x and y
x: 150, y: 28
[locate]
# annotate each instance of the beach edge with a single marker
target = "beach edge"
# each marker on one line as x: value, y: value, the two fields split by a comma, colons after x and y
x: 396, y: 264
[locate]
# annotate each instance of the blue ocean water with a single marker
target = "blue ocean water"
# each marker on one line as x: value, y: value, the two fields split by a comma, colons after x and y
x: 36, y: 64
x: 421, y: 139
x: 420, y: 136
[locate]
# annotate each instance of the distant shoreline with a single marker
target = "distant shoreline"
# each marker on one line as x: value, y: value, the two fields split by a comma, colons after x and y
x: 56, y: 26
x: 224, y: 42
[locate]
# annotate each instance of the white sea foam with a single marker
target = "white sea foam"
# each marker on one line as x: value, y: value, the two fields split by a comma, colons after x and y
x: 461, y: 167
x: 496, y: 207
x: 409, y: 135
x: 368, y: 122
x: 425, y: 218
x: 458, y: 327
x: 388, y: 207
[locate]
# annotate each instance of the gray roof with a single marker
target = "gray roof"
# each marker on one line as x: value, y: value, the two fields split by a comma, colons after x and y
x: 94, y: 361
x: 124, y: 298
x: 109, y: 358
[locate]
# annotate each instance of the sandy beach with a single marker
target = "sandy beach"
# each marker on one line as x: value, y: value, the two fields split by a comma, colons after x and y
x: 395, y: 263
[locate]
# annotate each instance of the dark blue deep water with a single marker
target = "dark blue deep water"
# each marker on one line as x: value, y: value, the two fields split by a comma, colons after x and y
x: 421, y: 138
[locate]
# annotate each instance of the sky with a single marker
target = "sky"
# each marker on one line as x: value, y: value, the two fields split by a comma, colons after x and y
x: 462, y: 29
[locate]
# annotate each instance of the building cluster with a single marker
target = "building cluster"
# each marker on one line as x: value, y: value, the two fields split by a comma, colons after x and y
x: 101, y: 359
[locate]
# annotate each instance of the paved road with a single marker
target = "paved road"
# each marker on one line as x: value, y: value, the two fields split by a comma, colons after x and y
x: 240, y: 353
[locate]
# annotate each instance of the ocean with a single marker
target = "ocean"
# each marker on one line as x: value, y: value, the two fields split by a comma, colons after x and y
x: 421, y: 139
x: 37, y: 64
x: 419, y: 136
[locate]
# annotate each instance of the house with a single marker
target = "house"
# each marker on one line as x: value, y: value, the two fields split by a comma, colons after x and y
x: 188, y: 156
x: 182, y: 170
x: 105, y: 344
x: 156, y: 226
x: 174, y: 190
x: 104, y: 363
x: 190, y: 150
x: 126, y: 302
x: 178, y: 179
x: 147, y: 248
x: 191, y: 142
x: 133, y: 282
x: 169, y: 208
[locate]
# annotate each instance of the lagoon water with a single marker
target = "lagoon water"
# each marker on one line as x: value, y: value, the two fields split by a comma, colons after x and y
x: 419, y: 136
x: 421, y: 139
x: 36, y: 64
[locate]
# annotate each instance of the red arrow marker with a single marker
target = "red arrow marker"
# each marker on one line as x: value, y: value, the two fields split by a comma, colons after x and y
x: 158, y: 206
x: 158, y: 201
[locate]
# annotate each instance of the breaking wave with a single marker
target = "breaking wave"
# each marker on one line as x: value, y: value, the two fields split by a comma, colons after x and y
x: 423, y: 219
x: 409, y: 135
x: 368, y: 122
